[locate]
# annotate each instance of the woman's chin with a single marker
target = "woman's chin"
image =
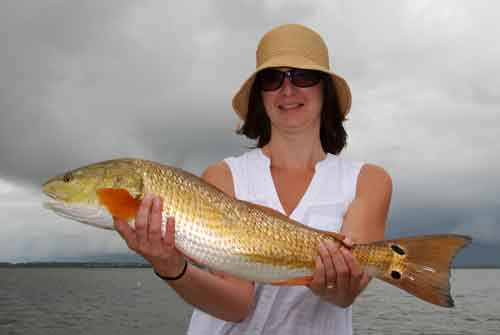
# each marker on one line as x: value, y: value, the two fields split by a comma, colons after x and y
x: 295, y: 125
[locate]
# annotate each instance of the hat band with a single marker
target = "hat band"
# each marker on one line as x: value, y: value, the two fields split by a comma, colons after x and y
x: 290, y: 55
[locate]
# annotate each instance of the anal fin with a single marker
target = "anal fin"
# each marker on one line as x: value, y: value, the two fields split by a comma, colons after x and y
x: 295, y: 281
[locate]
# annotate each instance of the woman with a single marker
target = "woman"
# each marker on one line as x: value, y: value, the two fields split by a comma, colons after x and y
x: 294, y: 106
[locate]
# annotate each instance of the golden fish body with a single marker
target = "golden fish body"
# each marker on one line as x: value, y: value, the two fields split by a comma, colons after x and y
x: 242, y: 239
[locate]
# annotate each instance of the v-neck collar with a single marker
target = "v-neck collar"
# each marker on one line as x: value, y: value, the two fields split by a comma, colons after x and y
x: 309, y: 194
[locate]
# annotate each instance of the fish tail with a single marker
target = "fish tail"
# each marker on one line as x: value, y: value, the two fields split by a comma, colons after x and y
x: 419, y: 265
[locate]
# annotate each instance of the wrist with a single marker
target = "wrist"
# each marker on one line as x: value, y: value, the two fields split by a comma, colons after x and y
x: 175, y: 277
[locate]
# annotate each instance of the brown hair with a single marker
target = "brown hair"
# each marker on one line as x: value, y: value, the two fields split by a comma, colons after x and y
x: 333, y: 136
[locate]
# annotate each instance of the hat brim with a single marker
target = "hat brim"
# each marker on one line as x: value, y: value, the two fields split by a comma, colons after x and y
x: 240, y: 100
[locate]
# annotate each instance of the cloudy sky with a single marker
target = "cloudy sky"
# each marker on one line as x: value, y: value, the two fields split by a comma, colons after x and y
x: 84, y: 81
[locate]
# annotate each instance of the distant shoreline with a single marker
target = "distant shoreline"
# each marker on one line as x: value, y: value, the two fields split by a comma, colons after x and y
x: 74, y: 265
x: 134, y: 265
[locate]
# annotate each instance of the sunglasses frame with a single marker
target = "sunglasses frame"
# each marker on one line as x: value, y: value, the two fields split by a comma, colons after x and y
x: 291, y: 75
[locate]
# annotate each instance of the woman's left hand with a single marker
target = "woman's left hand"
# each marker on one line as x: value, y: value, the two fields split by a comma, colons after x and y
x: 338, y: 277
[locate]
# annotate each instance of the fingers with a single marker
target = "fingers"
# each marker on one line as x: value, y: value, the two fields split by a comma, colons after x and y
x: 126, y: 232
x: 318, y: 284
x: 169, y: 239
x: 348, y: 242
x: 359, y: 278
x: 327, y: 250
x: 142, y: 219
x: 147, y: 239
x: 324, y: 277
x: 343, y: 275
x: 148, y: 225
x: 337, y: 265
x: 155, y: 221
x: 353, y: 267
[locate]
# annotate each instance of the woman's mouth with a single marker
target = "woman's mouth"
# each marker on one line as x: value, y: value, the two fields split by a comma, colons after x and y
x: 289, y: 106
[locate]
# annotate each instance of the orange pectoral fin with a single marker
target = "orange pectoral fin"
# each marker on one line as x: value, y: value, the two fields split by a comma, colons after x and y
x: 119, y: 202
x: 295, y: 281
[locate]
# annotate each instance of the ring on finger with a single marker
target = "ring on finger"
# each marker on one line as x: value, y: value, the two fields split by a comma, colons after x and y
x: 163, y: 227
x: 331, y: 285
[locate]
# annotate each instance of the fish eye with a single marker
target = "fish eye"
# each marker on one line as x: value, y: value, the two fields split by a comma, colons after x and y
x: 67, y: 178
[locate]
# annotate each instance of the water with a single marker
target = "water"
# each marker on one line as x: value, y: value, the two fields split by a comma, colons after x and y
x: 88, y: 301
x: 134, y: 301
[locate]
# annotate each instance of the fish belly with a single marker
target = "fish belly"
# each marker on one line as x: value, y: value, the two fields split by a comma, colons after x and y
x: 205, y: 248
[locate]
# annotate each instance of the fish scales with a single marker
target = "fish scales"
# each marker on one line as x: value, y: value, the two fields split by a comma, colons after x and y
x: 223, y: 230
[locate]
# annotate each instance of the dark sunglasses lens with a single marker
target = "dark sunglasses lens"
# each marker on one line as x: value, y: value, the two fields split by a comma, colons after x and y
x: 305, y: 78
x: 270, y: 80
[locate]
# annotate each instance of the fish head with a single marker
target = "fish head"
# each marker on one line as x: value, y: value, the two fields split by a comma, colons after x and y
x: 77, y: 194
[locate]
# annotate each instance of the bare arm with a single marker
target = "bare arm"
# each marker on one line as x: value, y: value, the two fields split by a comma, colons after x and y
x: 366, y: 217
x: 338, y: 276
x: 215, y: 293
x: 220, y: 295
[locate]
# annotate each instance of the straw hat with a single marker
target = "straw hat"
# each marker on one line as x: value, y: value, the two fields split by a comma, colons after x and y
x: 292, y: 45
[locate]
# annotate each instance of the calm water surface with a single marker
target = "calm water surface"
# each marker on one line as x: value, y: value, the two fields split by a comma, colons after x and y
x: 134, y: 301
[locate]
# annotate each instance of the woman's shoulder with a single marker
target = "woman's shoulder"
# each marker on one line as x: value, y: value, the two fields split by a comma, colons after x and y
x: 365, y: 170
x: 373, y: 171
x: 219, y: 175
x: 374, y: 177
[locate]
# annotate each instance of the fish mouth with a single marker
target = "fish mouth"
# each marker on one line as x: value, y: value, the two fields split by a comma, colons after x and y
x: 51, y: 202
x: 92, y: 215
x: 47, y: 190
x: 50, y: 195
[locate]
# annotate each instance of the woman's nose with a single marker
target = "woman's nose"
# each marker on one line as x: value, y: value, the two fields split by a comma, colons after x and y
x: 287, y: 88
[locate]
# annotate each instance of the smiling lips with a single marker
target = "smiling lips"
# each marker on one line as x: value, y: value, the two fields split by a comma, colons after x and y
x: 288, y: 106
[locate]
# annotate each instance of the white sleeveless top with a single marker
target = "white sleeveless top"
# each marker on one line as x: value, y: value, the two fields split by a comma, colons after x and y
x: 290, y: 309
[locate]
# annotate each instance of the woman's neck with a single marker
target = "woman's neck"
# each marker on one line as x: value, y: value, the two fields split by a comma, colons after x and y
x: 294, y: 151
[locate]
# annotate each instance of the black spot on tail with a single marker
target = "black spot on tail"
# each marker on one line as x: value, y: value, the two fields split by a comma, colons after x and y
x: 396, y: 275
x: 397, y: 249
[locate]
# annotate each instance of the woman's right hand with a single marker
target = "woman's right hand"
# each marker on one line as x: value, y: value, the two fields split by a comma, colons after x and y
x: 147, y: 239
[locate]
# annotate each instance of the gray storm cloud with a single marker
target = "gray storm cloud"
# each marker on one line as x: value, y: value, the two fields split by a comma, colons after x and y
x: 87, y: 81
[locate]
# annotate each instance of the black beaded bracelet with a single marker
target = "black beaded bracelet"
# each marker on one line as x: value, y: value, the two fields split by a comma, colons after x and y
x: 176, y: 277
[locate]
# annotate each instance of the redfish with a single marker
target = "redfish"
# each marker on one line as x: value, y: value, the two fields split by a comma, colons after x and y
x: 242, y: 239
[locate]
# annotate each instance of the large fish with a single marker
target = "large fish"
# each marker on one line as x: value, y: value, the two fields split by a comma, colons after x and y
x: 243, y: 239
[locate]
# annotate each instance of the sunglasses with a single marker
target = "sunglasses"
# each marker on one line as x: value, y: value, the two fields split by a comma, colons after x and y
x: 272, y: 79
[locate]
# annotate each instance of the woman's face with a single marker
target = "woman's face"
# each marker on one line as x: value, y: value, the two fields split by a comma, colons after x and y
x: 293, y: 108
